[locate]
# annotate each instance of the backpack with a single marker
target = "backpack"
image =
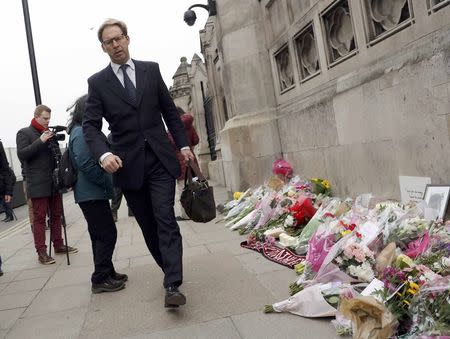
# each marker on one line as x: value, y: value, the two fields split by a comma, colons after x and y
x: 66, y: 175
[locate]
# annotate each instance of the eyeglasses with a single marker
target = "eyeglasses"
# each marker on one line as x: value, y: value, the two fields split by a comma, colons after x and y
x: 117, y: 39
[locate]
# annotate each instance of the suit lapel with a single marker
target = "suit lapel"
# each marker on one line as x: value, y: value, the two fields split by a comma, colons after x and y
x: 115, y: 85
x: 141, y: 79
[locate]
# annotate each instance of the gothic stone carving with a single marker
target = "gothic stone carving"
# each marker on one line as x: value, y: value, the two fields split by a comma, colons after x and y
x: 284, y: 68
x: 386, y: 15
x: 339, y: 31
x: 307, y: 55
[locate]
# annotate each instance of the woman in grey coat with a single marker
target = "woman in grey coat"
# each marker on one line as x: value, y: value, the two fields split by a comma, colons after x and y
x: 92, y: 192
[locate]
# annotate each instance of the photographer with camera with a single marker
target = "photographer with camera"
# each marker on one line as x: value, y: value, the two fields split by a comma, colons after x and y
x: 38, y: 150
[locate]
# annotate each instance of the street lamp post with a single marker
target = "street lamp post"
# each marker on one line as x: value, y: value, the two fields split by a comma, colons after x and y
x: 34, y: 74
x: 190, y: 17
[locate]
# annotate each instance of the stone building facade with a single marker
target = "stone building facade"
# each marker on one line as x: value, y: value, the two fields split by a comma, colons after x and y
x: 356, y: 91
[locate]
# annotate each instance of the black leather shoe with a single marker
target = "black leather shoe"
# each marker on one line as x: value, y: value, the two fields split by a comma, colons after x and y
x: 108, y: 285
x: 8, y: 219
x: 174, y: 297
x: 120, y: 277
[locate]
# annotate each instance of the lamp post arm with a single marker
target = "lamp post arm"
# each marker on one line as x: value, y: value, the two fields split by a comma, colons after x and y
x: 210, y: 7
x: 198, y: 5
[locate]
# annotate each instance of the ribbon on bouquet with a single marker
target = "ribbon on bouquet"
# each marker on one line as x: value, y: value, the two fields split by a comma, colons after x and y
x: 282, y: 256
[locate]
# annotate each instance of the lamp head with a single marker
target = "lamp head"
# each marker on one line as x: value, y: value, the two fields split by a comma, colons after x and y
x: 190, y: 17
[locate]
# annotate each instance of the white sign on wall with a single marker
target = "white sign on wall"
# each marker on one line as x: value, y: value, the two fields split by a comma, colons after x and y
x: 412, y: 188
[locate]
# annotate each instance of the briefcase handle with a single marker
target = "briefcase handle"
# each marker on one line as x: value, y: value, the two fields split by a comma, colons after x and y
x: 191, y: 165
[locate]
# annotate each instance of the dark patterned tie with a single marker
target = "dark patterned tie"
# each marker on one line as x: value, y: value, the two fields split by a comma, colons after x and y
x: 129, y: 87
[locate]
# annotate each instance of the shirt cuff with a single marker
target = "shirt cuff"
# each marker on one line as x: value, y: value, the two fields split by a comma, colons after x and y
x: 104, y: 155
x: 184, y: 148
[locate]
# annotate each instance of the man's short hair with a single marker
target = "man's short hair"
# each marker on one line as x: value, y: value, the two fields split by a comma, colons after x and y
x: 41, y: 108
x: 111, y: 22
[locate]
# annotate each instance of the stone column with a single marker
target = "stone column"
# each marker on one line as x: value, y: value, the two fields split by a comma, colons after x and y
x: 249, y: 140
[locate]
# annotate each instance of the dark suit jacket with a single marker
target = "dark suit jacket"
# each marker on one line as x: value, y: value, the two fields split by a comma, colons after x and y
x: 132, y: 126
x: 38, y: 162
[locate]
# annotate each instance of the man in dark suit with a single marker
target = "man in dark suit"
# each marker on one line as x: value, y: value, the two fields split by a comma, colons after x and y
x: 132, y: 97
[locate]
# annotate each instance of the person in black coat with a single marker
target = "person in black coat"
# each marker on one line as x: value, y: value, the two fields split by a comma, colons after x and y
x: 37, y: 149
x: 7, y: 182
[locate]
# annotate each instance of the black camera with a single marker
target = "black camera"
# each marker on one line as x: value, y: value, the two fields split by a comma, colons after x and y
x: 56, y: 135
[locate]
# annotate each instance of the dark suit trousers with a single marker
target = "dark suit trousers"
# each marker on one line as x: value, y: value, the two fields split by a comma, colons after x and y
x: 103, y: 232
x: 152, y: 206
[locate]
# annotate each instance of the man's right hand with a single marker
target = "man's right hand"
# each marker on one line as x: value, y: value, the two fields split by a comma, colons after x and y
x: 45, y: 136
x: 111, y: 163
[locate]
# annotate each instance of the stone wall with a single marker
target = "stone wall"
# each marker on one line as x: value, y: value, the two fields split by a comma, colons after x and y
x: 379, y: 111
x: 356, y: 91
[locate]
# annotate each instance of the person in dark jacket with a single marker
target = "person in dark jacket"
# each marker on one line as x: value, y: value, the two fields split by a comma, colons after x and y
x: 7, y: 182
x: 92, y: 192
x: 35, y: 148
x: 193, y: 139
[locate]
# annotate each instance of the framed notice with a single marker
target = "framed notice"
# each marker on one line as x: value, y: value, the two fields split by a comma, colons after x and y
x: 413, y: 188
x: 436, y: 197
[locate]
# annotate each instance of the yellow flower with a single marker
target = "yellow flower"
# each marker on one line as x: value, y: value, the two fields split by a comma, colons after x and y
x: 414, y: 286
x: 344, y: 233
x: 326, y: 184
x: 299, y: 268
x: 406, y: 302
x: 403, y: 261
x: 411, y: 291
x: 237, y: 195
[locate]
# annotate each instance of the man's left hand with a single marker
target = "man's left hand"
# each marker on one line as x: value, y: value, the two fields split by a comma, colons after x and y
x: 8, y: 198
x: 187, y: 154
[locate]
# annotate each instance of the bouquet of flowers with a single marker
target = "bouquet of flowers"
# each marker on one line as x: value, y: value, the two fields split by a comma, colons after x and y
x: 407, y: 231
x: 321, y: 186
x: 430, y: 309
x: 302, y: 211
x: 324, y: 214
x: 357, y: 260
x: 400, y: 287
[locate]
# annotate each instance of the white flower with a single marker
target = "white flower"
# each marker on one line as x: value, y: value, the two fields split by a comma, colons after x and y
x: 445, y: 262
x: 289, y: 221
x: 363, y: 272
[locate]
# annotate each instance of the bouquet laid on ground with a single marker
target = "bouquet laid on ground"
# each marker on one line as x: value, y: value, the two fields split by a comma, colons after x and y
x: 357, y: 260
x: 430, y: 309
x: 321, y: 186
x: 401, y: 284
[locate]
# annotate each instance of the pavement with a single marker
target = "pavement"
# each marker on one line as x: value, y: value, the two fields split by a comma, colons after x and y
x: 226, y: 287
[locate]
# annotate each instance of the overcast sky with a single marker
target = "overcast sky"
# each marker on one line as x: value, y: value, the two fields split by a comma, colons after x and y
x: 68, y: 52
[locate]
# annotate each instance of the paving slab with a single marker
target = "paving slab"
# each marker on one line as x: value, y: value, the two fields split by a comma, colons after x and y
x: 60, y: 299
x: 9, y: 317
x: 59, y: 325
x: 216, y: 286
x: 215, y: 235
x: 257, y: 264
x: 217, y: 329
x: 278, y: 283
x: 8, y: 275
x: 17, y: 300
x: 257, y: 325
x: 232, y: 246
x: 39, y: 272
x: 24, y: 286
x: 70, y: 276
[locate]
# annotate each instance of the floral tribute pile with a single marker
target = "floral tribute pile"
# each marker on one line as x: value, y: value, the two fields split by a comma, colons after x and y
x: 378, y: 267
